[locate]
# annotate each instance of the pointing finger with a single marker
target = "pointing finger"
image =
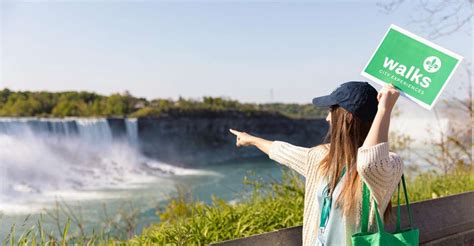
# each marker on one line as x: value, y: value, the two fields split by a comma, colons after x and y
x: 234, y: 131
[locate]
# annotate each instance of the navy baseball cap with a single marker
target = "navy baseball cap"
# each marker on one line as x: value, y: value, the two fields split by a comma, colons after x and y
x: 357, y: 97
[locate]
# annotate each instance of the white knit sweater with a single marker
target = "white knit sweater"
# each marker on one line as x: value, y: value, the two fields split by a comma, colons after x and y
x: 380, y: 169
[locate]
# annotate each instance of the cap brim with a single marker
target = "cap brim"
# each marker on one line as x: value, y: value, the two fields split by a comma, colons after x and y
x: 324, y: 101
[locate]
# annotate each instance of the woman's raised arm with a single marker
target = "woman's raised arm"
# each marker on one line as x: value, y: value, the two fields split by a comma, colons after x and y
x: 380, y: 169
x: 378, y: 132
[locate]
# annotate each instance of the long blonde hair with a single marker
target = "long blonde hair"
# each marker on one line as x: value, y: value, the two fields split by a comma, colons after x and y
x: 346, y: 134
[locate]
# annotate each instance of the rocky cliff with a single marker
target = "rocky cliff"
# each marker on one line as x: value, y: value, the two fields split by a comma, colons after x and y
x: 201, y: 140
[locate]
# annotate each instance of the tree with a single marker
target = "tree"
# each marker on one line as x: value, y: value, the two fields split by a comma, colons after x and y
x: 70, y: 108
x: 438, y: 18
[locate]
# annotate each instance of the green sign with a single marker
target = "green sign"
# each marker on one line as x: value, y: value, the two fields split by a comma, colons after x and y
x: 417, y: 67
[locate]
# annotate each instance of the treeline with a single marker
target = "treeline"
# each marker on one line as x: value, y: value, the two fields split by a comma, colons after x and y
x: 89, y: 104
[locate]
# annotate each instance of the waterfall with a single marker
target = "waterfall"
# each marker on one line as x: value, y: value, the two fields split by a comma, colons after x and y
x: 132, y: 132
x: 94, y: 131
x: 43, y: 158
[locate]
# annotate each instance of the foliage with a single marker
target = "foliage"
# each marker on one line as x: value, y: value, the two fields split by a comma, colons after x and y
x: 87, y: 104
x: 454, y: 146
x: 269, y: 206
x: 433, y: 184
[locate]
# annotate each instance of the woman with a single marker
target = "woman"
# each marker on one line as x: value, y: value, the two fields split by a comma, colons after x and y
x: 357, y: 151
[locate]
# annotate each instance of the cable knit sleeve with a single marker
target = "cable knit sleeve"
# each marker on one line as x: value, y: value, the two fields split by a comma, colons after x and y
x: 381, y: 170
x: 292, y: 156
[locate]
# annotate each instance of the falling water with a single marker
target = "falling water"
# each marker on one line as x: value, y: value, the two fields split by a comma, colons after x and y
x: 41, y: 159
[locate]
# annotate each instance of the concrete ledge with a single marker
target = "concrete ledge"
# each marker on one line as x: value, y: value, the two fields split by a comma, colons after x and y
x: 284, y: 237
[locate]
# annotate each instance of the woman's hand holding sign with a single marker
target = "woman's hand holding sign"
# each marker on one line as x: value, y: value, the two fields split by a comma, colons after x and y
x: 387, y: 97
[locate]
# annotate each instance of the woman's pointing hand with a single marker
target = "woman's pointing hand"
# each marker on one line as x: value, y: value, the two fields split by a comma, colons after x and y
x: 243, y: 139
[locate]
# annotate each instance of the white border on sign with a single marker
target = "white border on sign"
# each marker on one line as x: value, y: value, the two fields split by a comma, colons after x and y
x: 424, y: 41
x: 421, y: 40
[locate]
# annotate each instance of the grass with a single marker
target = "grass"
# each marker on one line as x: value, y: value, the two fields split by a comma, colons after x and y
x: 432, y: 184
x: 268, y: 206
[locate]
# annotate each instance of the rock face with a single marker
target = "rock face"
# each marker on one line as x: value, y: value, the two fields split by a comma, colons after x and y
x: 201, y: 140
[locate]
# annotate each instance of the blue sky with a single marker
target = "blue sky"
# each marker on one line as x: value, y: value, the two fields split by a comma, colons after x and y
x: 242, y: 50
